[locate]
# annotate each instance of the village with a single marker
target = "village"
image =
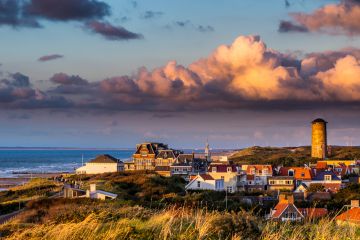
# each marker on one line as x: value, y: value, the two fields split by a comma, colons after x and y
x: 290, y: 187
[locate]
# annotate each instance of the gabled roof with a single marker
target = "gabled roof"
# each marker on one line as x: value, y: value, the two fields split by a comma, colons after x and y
x: 106, y: 158
x: 185, y: 158
x: 258, y: 168
x: 222, y: 168
x: 281, y: 207
x: 320, y: 176
x: 352, y: 215
x: 300, y: 173
x: 166, y: 154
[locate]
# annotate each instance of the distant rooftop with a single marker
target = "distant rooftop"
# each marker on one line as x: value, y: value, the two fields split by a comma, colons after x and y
x: 106, y: 158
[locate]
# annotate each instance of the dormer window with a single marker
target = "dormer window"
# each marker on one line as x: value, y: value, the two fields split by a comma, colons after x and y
x: 291, y: 173
x: 229, y: 169
x: 252, y: 170
x: 327, y: 177
x: 214, y: 169
x: 265, y: 171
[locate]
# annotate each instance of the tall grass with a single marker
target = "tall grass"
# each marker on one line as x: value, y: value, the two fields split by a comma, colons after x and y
x: 177, y: 223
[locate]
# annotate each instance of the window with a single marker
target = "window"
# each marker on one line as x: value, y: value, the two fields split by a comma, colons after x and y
x: 222, y: 177
x: 265, y: 171
x: 327, y: 177
x: 302, y: 174
x: 291, y: 173
x: 229, y: 169
x: 198, y: 184
x: 214, y: 169
x: 272, y: 182
x: 252, y: 170
x: 229, y: 189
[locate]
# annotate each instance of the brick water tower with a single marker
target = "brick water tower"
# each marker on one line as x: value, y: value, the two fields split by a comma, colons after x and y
x: 319, y: 139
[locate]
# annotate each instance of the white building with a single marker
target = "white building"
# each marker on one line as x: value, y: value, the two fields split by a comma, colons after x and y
x: 205, y: 182
x: 101, y: 164
x: 98, y: 194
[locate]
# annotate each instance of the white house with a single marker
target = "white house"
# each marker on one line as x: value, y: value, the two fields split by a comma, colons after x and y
x: 205, y: 182
x: 98, y: 194
x: 101, y: 164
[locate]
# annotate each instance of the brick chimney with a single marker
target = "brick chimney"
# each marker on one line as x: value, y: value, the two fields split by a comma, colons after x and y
x: 355, y: 204
x: 290, y: 199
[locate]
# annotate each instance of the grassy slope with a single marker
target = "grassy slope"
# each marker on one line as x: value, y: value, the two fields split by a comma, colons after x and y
x: 296, y: 156
x: 109, y: 221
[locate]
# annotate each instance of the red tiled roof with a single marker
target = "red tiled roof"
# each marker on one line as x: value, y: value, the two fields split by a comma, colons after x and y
x: 206, y: 177
x: 321, y: 165
x: 300, y: 173
x: 314, y: 212
x: 352, y: 215
x: 279, y: 209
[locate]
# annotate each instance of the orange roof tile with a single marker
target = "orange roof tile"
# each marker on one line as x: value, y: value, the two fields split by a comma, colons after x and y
x: 352, y: 215
x: 314, y: 212
x: 279, y: 209
x: 300, y: 173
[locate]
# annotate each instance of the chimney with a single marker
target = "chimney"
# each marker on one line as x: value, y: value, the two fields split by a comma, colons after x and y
x: 282, y: 198
x: 355, y: 204
x: 290, y: 199
x: 93, y: 187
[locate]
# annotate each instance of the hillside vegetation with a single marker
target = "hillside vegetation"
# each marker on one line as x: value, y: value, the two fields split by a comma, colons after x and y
x: 289, y: 156
x: 86, y: 220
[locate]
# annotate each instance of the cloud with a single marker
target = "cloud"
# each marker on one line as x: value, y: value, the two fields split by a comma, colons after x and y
x: 17, y: 92
x: 50, y: 57
x: 245, y: 74
x: 67, y: 10
x: 287, y: 26
x: 11, y: 14
x: 189, y: 24
x: 110, y: 32
x: 151, y: 14
x: 341, y: 18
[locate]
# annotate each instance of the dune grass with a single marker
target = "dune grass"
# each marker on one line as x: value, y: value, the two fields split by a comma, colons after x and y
x: 177, y: 223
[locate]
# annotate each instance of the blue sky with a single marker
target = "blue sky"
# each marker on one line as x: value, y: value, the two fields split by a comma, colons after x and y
x: 86, y: 117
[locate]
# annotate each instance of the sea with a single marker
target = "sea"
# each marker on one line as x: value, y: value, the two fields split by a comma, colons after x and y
x: 16, y: 161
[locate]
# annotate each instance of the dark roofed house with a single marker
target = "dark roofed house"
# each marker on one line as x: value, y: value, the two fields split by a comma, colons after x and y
x: 101, y: 164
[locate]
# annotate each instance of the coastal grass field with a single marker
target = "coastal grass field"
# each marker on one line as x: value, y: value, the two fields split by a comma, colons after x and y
x: 150, y: 206
x: 111, y: 221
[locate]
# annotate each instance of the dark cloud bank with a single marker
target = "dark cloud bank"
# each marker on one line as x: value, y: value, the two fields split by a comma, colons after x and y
x: 243, y: 75
x: 30, y: 13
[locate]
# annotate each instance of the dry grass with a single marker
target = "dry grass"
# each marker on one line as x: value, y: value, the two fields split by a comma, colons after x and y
x: 177, y: 223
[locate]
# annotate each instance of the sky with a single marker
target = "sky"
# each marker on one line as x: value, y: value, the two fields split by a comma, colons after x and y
x: 96, y: 73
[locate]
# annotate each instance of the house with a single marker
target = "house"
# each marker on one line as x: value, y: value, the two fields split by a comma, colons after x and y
x: 129, y: 166
x: 334, y: 162
x: 71, y: 192
x: 226, y: 172
x: 101, y: 164
x: 99, y: 194
x: 281, y: 183
x: 144, y: 157
x: 257, y: 176
x: 300, y: 174
x: 351, y: 216
x: 166, y: 157
x: 205, y: 182
x: 163, y: 171
x: 286, y: 210
x: 328, y: 179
